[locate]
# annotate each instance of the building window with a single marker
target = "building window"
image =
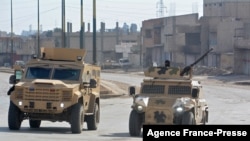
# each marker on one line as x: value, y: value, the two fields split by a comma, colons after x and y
x: 220, y: 4
x: 157, y: 35
x: 148, y: 33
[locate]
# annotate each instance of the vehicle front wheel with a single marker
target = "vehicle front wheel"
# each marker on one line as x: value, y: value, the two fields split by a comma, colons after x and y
x: 77, y: 118
x: 14, y: 117
x: 188, y: 118
x: 93, y: 120
x: 135, y: 123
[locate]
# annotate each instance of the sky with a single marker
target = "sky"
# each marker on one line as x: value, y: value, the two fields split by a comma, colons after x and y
x: 25, y: 12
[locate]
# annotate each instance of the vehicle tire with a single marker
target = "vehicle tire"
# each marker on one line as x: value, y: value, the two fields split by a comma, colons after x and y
x: 188, y: 118
x: 14, y: 117
x: 77, y: 118
x: 205, y: 118
x: 135, y: 123
x: 35, y: 123
x: 93, y: 120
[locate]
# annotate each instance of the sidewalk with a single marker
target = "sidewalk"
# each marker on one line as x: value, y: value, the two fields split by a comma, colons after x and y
x: 6, y: 70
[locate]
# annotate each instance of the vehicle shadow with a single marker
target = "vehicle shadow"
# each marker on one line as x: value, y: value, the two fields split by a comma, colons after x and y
x: 120, y: 135
x: 41, y: 130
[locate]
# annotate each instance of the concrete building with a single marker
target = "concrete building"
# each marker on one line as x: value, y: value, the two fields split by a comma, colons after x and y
x: 8, y: 54
x: 225, y: 27
x: 174, y: 38
x: 152, y: 44
x: 182, y: 39
x: 106, y: 43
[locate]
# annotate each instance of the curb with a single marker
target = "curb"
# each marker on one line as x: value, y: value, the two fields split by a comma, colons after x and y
x: 242, y: 83
x: 6, y: 70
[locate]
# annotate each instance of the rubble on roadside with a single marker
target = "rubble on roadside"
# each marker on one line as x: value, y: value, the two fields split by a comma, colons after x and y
x: 211, y: 71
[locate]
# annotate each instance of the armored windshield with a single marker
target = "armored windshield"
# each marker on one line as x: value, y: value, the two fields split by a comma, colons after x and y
x: 38, y: 73
x: 66, y: 74
x: 58, y: 73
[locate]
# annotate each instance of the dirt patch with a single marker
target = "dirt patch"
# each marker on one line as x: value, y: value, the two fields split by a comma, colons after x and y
x: 211, y: 71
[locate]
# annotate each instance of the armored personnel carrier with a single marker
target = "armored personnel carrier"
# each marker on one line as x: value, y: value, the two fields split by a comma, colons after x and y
x: 58, y: 86
x: 169, y: 96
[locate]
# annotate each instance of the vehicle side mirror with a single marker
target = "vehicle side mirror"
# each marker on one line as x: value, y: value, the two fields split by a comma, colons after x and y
x: 92, y: 83
x: 131, y: 90
x: 12, y: 79
x: 195, y: 93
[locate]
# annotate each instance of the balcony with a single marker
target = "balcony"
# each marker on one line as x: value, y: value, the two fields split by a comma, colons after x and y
x: 242, y: 43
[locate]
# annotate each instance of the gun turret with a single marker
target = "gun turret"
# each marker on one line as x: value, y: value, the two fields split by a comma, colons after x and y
x: 188, y: 68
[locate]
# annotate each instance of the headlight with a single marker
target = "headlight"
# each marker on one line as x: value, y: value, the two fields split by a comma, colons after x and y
x: 62, y: 105
x: 20, y: 103
x: 142, y: 101
x: 139, y: 108
x: 179, y: 109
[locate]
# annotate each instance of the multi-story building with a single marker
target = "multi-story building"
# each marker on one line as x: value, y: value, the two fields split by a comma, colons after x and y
x: 225, y: 27
x: 175, y: 38
x: 12, y: 49
x: 106, y: 43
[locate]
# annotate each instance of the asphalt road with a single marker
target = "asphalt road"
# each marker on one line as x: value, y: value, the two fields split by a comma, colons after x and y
x: 228, y: 104
x: 113, y: 125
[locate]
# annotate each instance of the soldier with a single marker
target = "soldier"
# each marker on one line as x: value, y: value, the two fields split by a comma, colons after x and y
x: 167, y: 63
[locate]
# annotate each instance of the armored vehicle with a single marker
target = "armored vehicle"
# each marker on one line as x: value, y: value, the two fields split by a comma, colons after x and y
x: 168, y: 96
x: 58, y: 86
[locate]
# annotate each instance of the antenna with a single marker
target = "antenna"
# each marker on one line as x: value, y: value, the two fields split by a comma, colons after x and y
x: 160, y: 8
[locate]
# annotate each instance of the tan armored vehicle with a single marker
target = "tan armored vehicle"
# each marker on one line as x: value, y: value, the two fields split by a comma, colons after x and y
x: 59, y: 86
x: 169, y: 96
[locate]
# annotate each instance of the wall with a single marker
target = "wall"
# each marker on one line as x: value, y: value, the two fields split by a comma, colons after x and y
x: 227, y: 8
x: 176, y: 30
x: 227, y: 61
x: 105, y: 51
x: 242, y: 61
x: 225, y: 35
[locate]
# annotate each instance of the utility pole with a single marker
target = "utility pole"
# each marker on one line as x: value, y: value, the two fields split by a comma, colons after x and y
x: 63, y: 23
x: 82, y: 27
x: 11, y: 34
x: 38, y: 29
x: 102, y: 40
x: 94, y: 31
